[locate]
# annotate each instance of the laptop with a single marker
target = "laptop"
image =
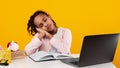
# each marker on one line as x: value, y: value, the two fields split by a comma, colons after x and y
x: 96, y: 49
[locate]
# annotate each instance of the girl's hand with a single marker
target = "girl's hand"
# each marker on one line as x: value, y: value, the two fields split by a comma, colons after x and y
x: 41, y: 33
x: 48, y: 35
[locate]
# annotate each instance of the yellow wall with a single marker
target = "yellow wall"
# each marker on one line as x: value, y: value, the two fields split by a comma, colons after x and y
x: 82, y: 17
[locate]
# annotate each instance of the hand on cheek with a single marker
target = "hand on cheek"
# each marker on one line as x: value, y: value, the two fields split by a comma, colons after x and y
x: 41, y: 33
x: 48, y: 35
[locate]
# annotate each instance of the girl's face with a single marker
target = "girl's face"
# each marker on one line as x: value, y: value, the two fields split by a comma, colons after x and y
x: 44, y: 22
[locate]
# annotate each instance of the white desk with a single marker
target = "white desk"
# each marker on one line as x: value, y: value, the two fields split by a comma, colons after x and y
x: 28, y: 63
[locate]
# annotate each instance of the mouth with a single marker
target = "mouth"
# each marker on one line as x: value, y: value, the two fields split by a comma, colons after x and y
x: 48, y: 28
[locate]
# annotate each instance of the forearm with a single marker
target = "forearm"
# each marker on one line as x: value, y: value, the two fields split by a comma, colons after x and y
x: 61, y: 46
x: 62, y: 42
x: 32, y: 46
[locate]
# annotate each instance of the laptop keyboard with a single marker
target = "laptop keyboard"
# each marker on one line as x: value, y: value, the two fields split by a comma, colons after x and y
x: 75, y: 62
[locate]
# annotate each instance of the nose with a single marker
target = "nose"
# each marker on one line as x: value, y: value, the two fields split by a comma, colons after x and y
x: 45, y: 24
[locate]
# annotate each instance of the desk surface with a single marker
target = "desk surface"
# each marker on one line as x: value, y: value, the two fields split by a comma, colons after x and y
x: 28, y: 63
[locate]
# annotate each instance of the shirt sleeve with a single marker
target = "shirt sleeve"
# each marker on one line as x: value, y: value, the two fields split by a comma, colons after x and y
x: 63, y: 42
x: 33, y: 45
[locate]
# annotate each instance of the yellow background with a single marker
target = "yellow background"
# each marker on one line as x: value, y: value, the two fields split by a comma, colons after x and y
x: 82, y: 17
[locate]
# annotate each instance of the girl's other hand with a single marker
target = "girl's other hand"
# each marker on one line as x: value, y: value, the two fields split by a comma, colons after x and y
x: 48, y: 35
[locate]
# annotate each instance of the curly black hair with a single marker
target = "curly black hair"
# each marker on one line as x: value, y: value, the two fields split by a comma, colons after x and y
x: 31, y: 26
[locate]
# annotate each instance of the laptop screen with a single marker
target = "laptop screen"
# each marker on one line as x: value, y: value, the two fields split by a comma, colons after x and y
x: 98, y: 49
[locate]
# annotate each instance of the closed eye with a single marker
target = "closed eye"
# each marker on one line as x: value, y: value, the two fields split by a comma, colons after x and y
x: 40, y: 25
x: 44, y: 19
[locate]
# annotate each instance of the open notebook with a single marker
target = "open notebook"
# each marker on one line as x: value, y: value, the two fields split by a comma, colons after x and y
x: 44, y: 56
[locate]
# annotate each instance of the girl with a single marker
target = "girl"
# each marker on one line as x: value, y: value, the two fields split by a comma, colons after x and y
x: 47, y: 36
